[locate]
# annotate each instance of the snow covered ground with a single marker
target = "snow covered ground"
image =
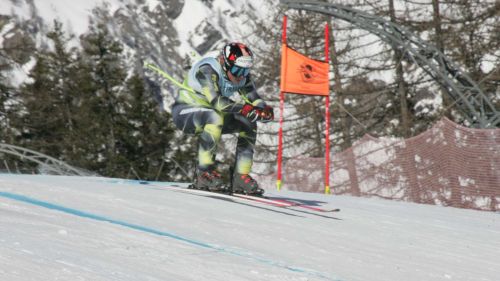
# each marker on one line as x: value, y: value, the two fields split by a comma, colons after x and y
x: 71, y: 228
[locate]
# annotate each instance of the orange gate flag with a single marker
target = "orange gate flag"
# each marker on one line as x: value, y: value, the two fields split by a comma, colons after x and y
x: 303, y: 75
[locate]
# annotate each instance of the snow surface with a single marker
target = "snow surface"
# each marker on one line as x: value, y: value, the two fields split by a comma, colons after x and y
x: 72, y: 228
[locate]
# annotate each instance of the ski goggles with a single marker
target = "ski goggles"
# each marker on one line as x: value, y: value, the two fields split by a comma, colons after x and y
x: 239, y: 71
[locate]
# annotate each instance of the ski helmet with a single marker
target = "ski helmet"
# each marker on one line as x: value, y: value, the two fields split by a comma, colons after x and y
x: 238, y: 59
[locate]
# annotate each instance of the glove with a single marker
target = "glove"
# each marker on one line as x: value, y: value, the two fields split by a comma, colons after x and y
x: 254, y: 114
x: 267, y: 114
x: 251, y: 113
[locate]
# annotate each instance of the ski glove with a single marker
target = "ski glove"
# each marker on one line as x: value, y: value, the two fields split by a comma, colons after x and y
x: 250, y: 112
x: 268, y: 114
x: 255, y: 114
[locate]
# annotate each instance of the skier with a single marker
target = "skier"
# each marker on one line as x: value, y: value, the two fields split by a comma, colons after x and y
x: 208, y: 111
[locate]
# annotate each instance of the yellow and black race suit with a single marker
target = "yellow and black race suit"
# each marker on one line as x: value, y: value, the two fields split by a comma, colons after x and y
x: 208, y: 110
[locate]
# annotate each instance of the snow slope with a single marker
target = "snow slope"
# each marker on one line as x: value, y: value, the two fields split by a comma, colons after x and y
x: 70, y: 228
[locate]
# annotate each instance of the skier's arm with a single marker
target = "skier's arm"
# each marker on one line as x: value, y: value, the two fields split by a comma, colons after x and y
x: 209, y: 81
x: 250, y: 95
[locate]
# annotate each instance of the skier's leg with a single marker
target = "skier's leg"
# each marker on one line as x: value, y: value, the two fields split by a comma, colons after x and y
x: 247, y: 136
x: 207, y: 143
x: 205, y: 122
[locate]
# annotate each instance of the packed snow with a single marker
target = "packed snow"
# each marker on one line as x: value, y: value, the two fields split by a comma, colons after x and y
x: 93, y: 228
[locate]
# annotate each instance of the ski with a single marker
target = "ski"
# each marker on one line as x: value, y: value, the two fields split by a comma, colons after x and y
x: 285, y: 203
x: 258, y: 199
x: 224, y: 195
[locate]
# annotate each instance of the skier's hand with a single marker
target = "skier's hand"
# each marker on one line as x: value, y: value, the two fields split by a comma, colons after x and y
x: 251, y: 113
x: 255, y: 114
x: 267, y: 114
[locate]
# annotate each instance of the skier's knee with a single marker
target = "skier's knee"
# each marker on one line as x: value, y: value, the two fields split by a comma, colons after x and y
x: 215, y: 118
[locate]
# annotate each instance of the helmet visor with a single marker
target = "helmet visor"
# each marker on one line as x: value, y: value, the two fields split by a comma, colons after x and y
x: 239, y: 71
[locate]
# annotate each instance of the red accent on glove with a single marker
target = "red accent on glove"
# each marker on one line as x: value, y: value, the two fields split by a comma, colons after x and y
x: 254, y: 114
x: 246, y: 109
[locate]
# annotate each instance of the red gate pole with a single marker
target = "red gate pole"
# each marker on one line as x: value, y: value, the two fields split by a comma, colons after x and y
x: 282, y: 105
x: 327, y: 120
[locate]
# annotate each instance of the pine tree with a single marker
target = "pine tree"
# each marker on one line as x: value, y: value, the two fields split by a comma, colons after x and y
x: 132, y: 136
x: 50, y: 101
x: 148, y: 141
x: 4, y: 94
x: 103, y: 75
x: 6, y: 110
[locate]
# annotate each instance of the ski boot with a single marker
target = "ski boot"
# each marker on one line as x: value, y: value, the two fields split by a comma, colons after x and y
x: 245, y: 184
x: 210, y: 180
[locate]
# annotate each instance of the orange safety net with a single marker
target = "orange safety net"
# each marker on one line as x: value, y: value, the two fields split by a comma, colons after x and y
x: 303, y: 75
x: 447, y: 165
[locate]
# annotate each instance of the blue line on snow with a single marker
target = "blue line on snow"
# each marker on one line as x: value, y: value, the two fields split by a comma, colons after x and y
x: 83, y: 214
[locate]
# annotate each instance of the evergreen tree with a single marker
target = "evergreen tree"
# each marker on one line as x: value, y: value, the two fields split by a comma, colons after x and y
x: 103, y: 68
x: 7, y: 110
x: 50, y: 101
x: 148, y: 141
x: 131, y: 135
x: 4, y: 93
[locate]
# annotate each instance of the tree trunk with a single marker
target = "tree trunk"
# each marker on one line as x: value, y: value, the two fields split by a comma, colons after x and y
x: 402, y: 87
x: 346, y: 122
x: 439, y: 41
